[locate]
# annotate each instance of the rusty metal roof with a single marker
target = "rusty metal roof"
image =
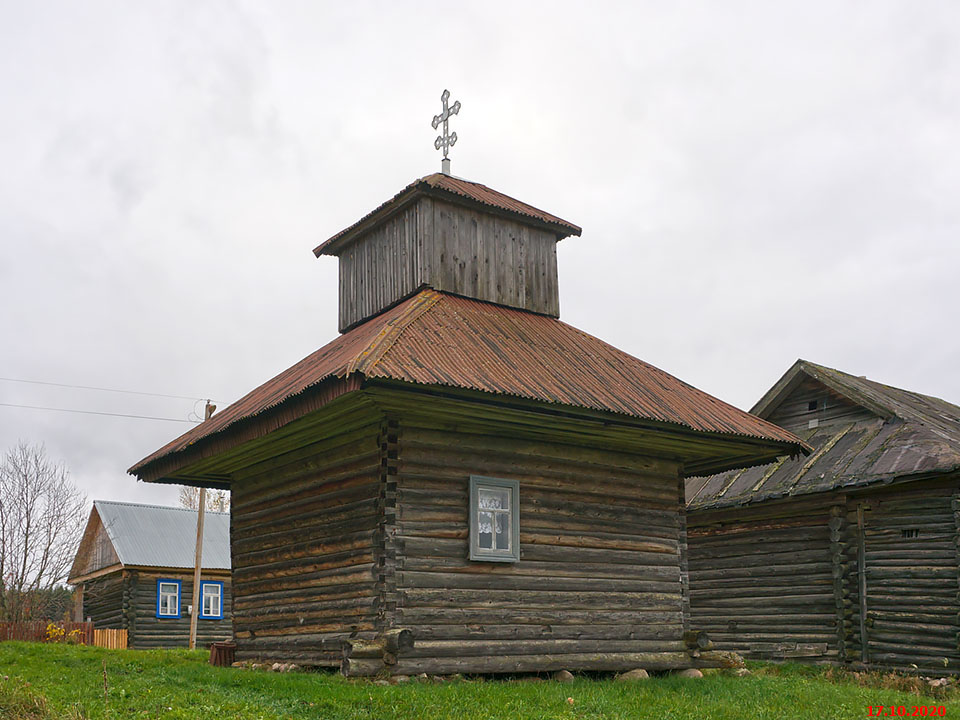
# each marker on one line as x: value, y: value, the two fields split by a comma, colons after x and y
x: 908, y: 435
x: 456, y: 190
x: 438, y: 339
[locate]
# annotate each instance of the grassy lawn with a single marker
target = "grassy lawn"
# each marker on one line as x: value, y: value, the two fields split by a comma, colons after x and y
x: 57, y: 681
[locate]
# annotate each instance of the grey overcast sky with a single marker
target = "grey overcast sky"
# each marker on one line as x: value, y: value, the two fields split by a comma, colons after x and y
x: 757, y: 182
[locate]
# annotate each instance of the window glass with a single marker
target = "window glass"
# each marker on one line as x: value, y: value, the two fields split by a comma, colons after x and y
x: 211, y: 600
x: 493, y: 498
x: 169, y: 599
x: 493, y: 503
x: 502, y: 536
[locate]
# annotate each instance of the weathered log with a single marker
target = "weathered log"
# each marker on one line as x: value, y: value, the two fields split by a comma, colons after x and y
x: 587, y: 631
x: 503, y: 581
x: 362, y: 649
x: 397, y: 640
x: 535, y: 616
x: 497, y: 648
x: 362, y: 667
x: 718, y: 658
x: 608, y: 662
x: 697, y: 639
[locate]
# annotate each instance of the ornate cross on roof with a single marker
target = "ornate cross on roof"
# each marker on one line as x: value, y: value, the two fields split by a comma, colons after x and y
x: 448, y: 139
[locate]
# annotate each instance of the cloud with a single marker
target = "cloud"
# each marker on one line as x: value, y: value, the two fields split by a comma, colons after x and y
x: 756, y: 182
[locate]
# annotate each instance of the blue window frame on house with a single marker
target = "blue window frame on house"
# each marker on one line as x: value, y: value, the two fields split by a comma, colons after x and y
x: 211, y: 600
x: 168, y: 598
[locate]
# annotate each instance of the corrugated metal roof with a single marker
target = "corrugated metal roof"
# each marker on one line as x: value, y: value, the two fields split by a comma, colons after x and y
x: 439, y: 339
x: 156, y: 536
x: 441, y: 185
x: 911, y: 435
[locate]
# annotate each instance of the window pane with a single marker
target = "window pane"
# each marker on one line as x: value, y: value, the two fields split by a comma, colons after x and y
x: 503, y: 531
x: 211, y: 600
x: 493, y: 498
x: 485, y: 530
x: 168, y: 599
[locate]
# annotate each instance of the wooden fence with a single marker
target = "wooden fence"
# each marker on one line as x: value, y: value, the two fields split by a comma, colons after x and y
x: 113, y: 639
x: 36, y: 631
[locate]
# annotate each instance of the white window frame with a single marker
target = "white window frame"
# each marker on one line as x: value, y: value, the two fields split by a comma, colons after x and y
x: 512, y: 553
x: 218, y: 586
x: 175, y: 595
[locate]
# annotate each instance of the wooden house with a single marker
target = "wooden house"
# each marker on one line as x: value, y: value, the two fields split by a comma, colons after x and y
x: 461, y: 482
x: 134, y: 570
x: 849, y: 555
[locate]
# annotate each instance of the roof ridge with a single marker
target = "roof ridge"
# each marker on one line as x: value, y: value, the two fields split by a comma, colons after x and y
x: 831, y: 377
x: 156, y: 507
x: 888, y: 386
x: 367, y: 359
x: 895, y: 408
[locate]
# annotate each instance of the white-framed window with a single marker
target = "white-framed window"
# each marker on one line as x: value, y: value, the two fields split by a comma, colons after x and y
x: 211, y: 600
x: 494, y: 519
x: 168, y: 598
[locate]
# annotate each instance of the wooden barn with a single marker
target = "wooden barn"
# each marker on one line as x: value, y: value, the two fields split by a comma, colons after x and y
x: 134, y: 570
x: 849, y: 555
x: 461, y: 482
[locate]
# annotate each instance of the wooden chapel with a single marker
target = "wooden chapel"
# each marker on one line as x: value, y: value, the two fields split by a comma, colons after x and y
x: 461, y: 482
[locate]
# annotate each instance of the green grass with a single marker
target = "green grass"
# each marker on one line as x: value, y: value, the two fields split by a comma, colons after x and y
x: 38, y: 682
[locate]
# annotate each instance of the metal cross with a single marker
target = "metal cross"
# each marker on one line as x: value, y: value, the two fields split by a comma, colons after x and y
x: 448, y: 139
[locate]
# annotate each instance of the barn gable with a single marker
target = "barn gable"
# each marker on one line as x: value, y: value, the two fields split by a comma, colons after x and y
x: 96, y: 551
x: 862, y: 432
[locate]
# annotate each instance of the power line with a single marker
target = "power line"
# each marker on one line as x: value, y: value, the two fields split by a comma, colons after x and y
x: 101, y: 389
x: 94, y: 412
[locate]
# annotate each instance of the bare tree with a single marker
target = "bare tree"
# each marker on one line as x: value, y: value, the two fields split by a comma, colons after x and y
x: 217, y: 500
x: 41, y: 522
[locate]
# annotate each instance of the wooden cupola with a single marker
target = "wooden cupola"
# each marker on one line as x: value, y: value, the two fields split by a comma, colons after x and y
x: 454, y: 236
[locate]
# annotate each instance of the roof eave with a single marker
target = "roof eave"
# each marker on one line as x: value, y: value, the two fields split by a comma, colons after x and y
x: 763, y: 450
x: 335, y: 245
x: 863, y: 485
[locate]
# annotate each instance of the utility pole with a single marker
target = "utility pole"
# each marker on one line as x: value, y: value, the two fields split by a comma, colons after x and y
x: 201, y: 509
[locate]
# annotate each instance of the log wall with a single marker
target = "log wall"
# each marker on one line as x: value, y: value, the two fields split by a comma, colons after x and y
x: 103, y: 600
x: 303, y: 535
x: 128, y: 600
x: 598, y: 585
x: 761, y: 580
x: 146, y: 630
x: 909, y: 541
x: 870, y: 577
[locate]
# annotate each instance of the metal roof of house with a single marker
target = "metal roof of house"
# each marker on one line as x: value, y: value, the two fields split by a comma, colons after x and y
x: 157, y: 536
x: 456, y: 190
x: 436, y: 339
x: 908, y: 435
